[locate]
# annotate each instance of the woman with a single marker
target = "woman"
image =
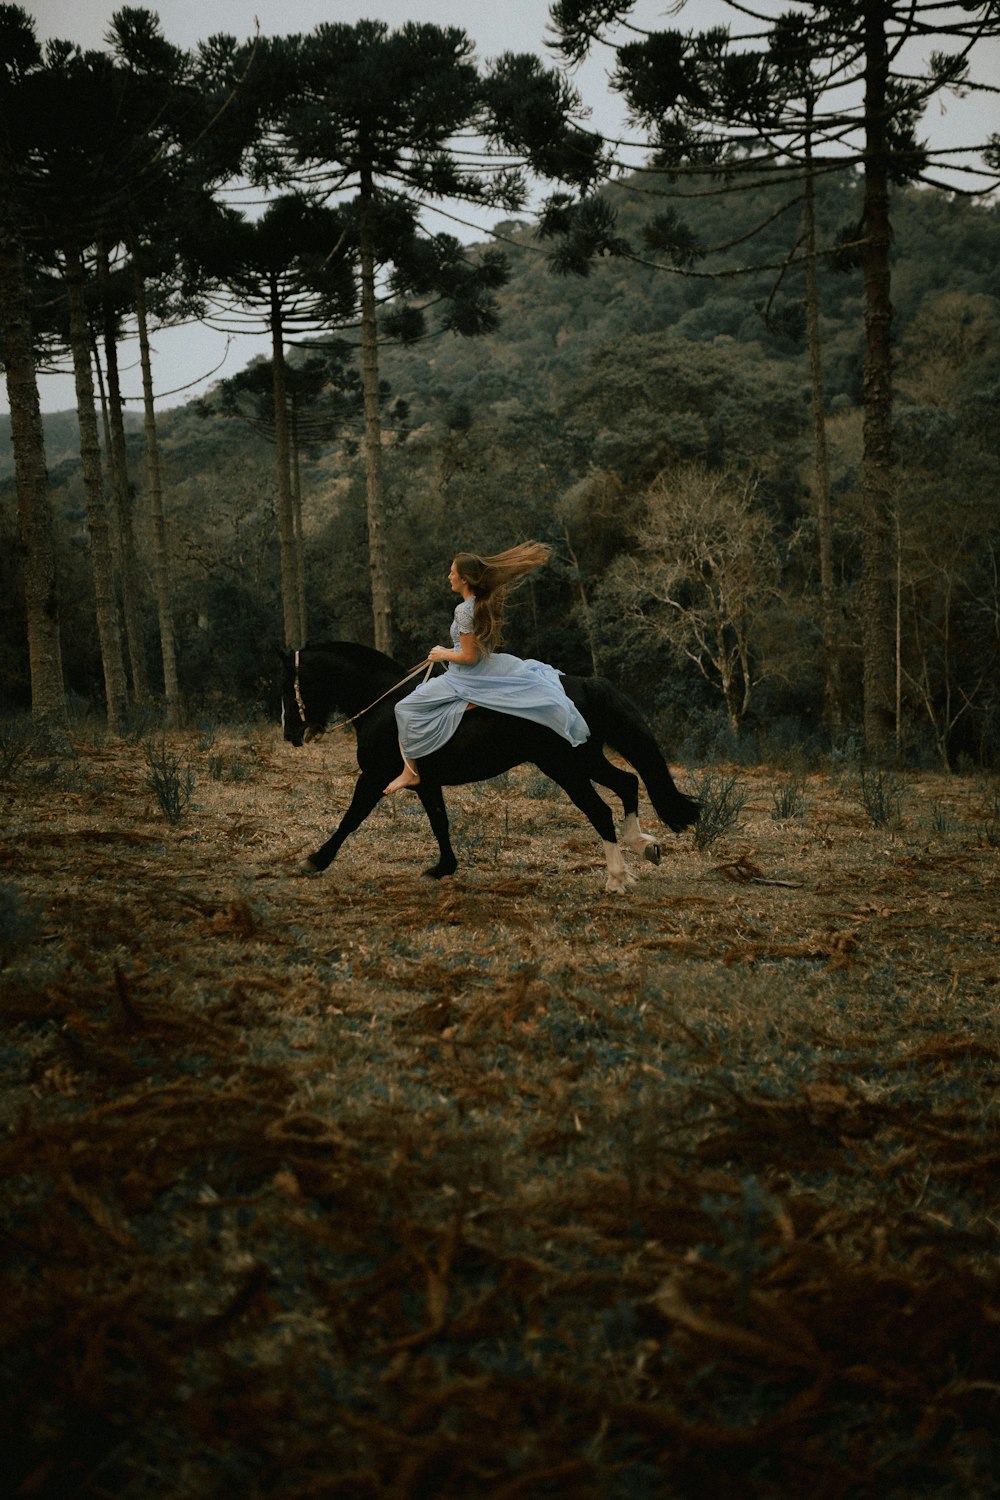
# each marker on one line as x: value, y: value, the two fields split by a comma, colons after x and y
x: 477, y: 673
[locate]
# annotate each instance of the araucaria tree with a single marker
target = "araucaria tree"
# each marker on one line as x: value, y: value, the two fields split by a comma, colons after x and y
x: 67, y: 134
x: 380, y: 122
x: 850, y: 79
x: 20, y: 56
x: 288, y: 272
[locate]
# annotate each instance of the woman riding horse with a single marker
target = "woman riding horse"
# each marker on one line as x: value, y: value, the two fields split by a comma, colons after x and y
x: 477, y: 673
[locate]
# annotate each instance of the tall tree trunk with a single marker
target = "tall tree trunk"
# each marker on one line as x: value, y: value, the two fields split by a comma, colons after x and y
x: 832, y: 704
x: 586, y: 615
x: 877, y: 497
x: 121, y: 494
x: 286, y: 521
x: 98, y: 529
x: 377, y: 556
x: 300, y: 542
x: 34, y: 512
x: 161, y: 557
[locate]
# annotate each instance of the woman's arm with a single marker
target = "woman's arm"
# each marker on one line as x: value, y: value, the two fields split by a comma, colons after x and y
x: 466, y: 656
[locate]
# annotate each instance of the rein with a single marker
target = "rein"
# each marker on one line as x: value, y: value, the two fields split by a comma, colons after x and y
x: 312, y: 733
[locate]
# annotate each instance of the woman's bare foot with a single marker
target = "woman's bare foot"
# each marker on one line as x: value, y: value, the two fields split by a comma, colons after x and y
x: 406, y: 778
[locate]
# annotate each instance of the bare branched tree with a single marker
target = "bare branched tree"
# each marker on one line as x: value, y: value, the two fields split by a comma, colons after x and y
x: 705, y: 570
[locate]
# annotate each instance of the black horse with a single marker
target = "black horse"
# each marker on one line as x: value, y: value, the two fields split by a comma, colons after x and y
x: 321, y: 677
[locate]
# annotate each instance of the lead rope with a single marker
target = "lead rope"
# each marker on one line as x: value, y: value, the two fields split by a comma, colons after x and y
x: 344, y: 722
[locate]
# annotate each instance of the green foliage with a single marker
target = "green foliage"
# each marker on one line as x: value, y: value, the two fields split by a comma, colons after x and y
x: 552, y: 426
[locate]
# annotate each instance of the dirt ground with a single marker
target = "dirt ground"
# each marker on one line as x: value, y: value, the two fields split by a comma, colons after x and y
x: 367, y: 1185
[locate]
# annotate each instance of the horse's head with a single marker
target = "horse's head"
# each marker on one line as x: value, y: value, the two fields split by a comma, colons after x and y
x: 301, y: 721
x: 325, y: 675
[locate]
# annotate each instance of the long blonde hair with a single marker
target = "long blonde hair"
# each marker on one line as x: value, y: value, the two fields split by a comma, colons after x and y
x: 491, y: 579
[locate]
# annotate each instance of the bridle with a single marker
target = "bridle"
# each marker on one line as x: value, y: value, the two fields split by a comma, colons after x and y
x: 314, y: 731
x: 310, y: 731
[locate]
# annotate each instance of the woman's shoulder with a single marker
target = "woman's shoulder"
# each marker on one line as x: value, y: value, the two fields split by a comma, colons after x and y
x: 465, y: 614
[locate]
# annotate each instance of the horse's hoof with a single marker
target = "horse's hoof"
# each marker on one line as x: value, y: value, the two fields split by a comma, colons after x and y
x: 308, y: 868
x: 652, y: 853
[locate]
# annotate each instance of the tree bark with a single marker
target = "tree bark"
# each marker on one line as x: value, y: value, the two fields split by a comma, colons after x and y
x: 832, y: 703
x: 98, y: 529
x: 300, y: 541
x: 161, y: 557
x: 34, y: 511
x: 586, y: 614
x: 377, y: 555
x: 877, y: 485
x: 290, y: 608
x: 121, y: 495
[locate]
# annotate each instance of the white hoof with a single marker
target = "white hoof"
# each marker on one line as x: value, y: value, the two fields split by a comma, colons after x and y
x: 619, y: 876
x: 638, y: 842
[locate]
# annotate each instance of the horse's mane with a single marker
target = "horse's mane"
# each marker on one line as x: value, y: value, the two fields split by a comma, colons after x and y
x: 357, y: 655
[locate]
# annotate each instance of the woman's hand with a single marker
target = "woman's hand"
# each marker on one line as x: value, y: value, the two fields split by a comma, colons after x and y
x: 466, y: 656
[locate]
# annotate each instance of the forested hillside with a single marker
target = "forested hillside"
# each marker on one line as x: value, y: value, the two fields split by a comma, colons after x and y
x: 607, y: 414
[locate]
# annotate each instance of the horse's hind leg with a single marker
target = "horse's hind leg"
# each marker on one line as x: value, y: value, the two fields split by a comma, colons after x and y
x: 432, y: 799
x: 577, y: 786
x: 626, y: 788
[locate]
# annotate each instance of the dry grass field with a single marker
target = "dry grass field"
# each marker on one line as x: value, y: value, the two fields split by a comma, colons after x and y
x: 366, y: 1187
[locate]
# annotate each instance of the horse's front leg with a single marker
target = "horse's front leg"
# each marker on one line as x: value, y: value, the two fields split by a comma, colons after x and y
x: 620, y: 877
x: 367, y: 791
x: 432, y: 798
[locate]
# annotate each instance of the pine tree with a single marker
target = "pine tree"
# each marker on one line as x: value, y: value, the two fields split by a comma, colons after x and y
x: 375, y: 117
x: 708, y: 99
x: 20, y: 56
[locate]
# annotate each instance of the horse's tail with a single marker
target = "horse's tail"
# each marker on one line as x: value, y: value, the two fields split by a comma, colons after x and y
x: 626, y: 731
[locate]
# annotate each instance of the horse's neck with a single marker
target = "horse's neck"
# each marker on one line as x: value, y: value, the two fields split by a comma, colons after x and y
x: 360, y: 673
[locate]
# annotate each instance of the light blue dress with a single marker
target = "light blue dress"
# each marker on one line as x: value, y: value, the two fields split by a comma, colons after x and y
x: 428, y: 717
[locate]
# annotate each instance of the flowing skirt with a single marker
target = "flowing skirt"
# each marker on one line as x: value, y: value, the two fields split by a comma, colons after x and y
x: 428, y: 717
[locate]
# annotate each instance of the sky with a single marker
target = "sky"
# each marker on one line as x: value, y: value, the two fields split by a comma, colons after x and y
x: 188, y: 360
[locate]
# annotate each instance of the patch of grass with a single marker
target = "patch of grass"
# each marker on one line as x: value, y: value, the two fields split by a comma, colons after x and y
x: 141, y: 721
x: 18, y: 922
x: 16, y: 741
x: 988, y: 822
x: 788, y: 800
x: 881, y: 796
x: 231, y: 768
x: 171, y: 780
x: 722, y: 797
x: 65, y: 775
x: 941, y: 820
x: 541, y: 788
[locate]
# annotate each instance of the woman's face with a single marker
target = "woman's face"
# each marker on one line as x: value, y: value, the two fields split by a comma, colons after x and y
x: 456, y: 580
